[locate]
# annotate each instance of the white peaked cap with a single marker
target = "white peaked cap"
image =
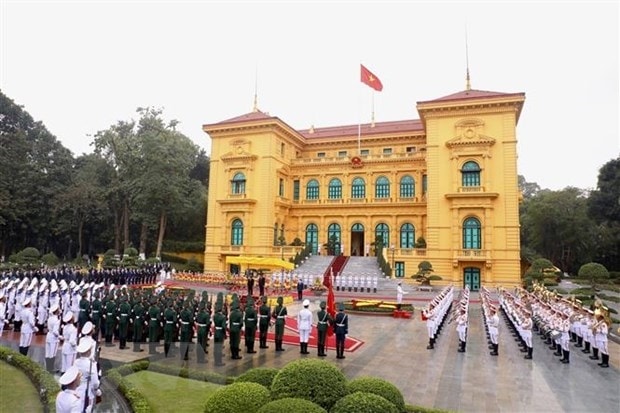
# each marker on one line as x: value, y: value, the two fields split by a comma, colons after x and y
x: 70, y: 375
x: 84, y: 346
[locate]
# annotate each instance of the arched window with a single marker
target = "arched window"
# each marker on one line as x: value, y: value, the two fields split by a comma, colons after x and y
x: 407, y: 187
x: 407, y: 236
x: 236, y: 233
x: 472, y: 234
x: 312, y: 189
x: 358, y: 188
x: 382, y: 187
x: 382, y: 233
x: 312, y: 237
x: 238, y: 184
x: 334, y: 191
x: 470, y: 174
x: 357, y: 228
x: 333, y: 239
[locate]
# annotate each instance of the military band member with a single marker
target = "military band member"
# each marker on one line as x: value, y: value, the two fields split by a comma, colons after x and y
x: 324, y: 321
x: 526, y: 328
x: 601, y: 329
x: 494, y: 330
x: 279, y: 313
x: 461, y: 329
x: 564, y: 338
x: 430, y: 315
x: 263, y: 325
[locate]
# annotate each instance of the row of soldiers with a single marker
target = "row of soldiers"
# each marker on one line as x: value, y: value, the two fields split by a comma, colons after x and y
x: 490, y: 320
x: 519, y: 319
x: 355, y: 282
x: 460, y: 314
x: 435, y: 314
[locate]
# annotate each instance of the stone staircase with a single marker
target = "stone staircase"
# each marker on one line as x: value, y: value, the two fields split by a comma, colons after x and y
x: 314, y: 266
x: 362, y: 266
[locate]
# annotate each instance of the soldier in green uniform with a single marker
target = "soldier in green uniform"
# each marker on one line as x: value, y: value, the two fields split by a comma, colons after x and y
x: 203, y: 324
x: 186, y: 319
x: 124, y: 312
x: 263, y: 325
x: 219, y: 334
x: 279, y: 313
x: 324, y: 321
x: 110, y: 320
x: 235, y: 323
x: 138, y: 324
x: 96, y: 309
x: 84, y: 305
x: 250, y: 323
x: 154, y: 324
x: 170, y: 320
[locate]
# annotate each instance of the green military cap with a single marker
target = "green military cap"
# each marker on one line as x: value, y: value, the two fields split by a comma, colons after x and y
x: 280, y: 300
x: 341, y: 307
x: 323, y: 304
x: 250, y: 302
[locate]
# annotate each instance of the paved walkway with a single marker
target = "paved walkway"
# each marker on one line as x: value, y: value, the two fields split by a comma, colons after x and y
x: 395, y: 349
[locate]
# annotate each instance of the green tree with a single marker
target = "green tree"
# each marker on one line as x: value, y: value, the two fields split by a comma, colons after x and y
x: 425, y: 273
x: 604, y: 208
x: 594, y: 272
x: 540, y: 269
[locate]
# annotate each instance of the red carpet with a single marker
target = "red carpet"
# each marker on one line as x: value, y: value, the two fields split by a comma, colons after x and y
x: 291, y: 337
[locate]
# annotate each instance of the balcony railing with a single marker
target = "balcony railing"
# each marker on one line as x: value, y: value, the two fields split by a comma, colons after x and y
x: 472, y: 254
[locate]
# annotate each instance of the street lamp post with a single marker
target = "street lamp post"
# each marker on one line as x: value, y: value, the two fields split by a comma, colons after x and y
x: 393, y: 249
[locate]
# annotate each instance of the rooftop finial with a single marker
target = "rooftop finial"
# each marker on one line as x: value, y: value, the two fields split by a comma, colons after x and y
x: 255, y: 108
x: 467, y: 81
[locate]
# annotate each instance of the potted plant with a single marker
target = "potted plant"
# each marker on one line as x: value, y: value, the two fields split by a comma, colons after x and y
x: 317, y: 287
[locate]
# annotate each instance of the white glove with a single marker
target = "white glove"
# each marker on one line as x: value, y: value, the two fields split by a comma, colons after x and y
x: 98, y: 393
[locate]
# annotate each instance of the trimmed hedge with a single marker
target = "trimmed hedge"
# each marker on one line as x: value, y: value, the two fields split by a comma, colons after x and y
x: 379, y: 387
x: 291, y: 405
x: 261, y: 375
x: 39, y: 377
x: 362, y: 402
x: 136, y: 400
x: 318, y: 381
x: 243, y: 397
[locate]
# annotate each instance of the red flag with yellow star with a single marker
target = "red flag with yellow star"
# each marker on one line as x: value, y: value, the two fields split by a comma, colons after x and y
x: 370, y: 79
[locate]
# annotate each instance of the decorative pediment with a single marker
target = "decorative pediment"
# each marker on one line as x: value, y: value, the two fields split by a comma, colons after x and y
x: 470, y: 132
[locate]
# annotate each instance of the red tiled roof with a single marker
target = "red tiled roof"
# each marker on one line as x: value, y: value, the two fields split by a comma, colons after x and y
x: 470, y: 94
x: 248, y: 117
x: 367, y: 129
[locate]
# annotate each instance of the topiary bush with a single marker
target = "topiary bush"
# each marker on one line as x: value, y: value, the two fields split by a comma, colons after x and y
x: 361, y: 402
x: 238, y: 397
x: 261, y: 375
x: 318, y: 381
x: 291, y: 405
x: 30, y: 255
x: 50, y: 259
x: 379, y: 387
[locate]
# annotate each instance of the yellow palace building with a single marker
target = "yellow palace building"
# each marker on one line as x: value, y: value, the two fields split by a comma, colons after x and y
x: 441, y: 188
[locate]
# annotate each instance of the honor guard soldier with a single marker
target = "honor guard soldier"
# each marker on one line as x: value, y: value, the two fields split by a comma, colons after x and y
x: 219, y: 333
x: 341, y: 328
x: 304, y: 324
x: 154, y: 324
x: 279, y: 313
x: 186, y: 320
x: 323, y: 324
x: 124, y: 311
x: 96, y: 309
x: 138, y: 324
x: 203, y: 324
x: 235, y: 323
x: 250, y: 323
x: 52, y: 338
x: 28, y: 327
x: 110, y: 320
x: 84, y: 306
x: 263, y: 325
x: 69, y: 400
x: 170, y: 321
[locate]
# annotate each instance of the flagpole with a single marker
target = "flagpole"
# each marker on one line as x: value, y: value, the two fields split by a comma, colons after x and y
x: 372, y: 115
x: 359, y: 122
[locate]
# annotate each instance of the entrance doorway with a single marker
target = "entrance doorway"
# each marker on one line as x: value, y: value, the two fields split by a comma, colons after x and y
x: 357, y: 239
x: 471, y: 278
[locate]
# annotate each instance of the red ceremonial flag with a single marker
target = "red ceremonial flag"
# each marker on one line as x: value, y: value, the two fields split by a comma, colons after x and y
x: 370, y: 79
x: 331, y: 306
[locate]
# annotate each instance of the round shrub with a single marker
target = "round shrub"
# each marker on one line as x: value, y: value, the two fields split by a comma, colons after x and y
x: 360, y: 402
x: 379, y: 387
x: 238, y: 397
x: 261, y: 375
x: 318, y: 381
x: 30, y: 255
x: 50, y: 259
x: 290, y: 405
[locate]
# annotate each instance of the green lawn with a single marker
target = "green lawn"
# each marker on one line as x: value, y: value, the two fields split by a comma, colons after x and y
x: 166, y: 393
x: 16, y: 391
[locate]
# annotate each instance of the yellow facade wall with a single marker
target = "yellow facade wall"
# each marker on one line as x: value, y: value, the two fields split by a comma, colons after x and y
x: 470, y: 126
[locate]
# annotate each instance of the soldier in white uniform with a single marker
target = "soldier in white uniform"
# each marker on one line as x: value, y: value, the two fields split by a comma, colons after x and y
x: 52, y: 338
x: 494, y: 330
x: 28, y: 327
x: 69, y: 400
x: 89, y: 382
x: 69, y: 338
x: 461, y: 329
x: 2, y: 311
x: 304, y: 324
x: 526, y: 328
